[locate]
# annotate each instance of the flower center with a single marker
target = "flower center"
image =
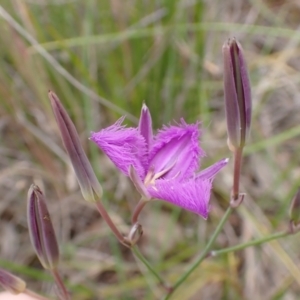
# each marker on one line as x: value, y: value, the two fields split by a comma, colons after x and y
x: 152, y: 176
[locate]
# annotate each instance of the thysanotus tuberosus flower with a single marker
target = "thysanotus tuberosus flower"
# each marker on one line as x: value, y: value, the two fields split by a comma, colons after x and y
x: 161, y: 166
x: 237, y: 94
x: 40, y: 227
x: 89, y: 184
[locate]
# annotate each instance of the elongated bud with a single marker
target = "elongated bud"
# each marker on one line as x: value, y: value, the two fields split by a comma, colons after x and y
x: 12, y: 283
x: 88, y: 182
x: 40, y: 227
x: 237, y: 94
x: 295, y: 212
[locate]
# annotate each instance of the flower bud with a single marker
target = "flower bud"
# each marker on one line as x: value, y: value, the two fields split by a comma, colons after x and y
x: 40, y: 227
x: 135, y: 234
x: 295, y: 212
x: 12, y: 283
x: 88, y: 182
x: 237, y: 94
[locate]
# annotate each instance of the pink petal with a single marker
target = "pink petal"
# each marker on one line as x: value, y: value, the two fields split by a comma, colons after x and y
x: 178, y: 146
x: 211, y: 172
x: 190, y: 195
x: 124, y: 146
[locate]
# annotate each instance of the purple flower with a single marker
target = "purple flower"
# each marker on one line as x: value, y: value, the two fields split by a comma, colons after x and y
x: 161, y: 166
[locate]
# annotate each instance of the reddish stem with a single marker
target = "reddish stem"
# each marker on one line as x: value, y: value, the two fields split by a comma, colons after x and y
x: 238, y: 155
x: 111, y: 224
x: 60, y: 285
x: 137, y: 211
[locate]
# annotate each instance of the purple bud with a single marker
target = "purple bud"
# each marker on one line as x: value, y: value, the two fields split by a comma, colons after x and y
x: 12, y: 283
x: 295, y: 212
x: 89, y: 184
x: 40, y: 227
x: 237, y: 94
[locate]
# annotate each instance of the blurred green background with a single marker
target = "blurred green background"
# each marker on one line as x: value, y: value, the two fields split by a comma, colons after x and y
x: 104, y: 59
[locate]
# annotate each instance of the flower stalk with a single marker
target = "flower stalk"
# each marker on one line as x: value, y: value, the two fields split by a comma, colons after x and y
x: 237, y: 197
x: 202, y: 256
x: 62, y: 292
x: 102, y: 211
x: 139, y: 207
x: 139, y: 255
x: 256, y: 242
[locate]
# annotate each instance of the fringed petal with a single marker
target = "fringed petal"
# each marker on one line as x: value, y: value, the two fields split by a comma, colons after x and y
x: 124, y: 146
x: 177, y: 146
x: 190, y: 195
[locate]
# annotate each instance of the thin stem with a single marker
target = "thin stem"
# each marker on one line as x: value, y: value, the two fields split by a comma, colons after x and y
x: 238, y: 155
x: 111, y: 224
x: 260, y: 241
x: 203, y: 254
x: 60, y: 285
x: 140, y: 256
x: 137, y: 210
x: 34, y: 295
